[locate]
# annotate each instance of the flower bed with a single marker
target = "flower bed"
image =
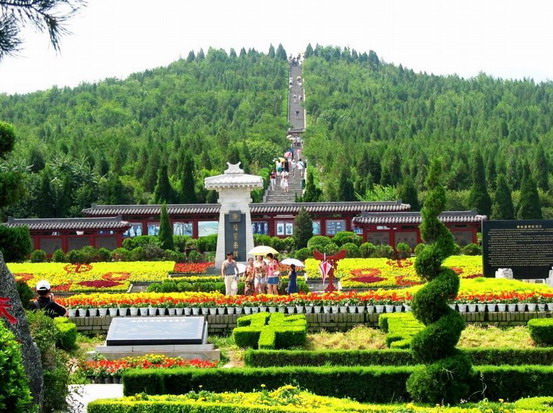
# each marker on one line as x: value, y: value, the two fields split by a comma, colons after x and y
x: 100, y: 369
x: 192, y: 267
x: 112, y: 276
x: 383, y: 272
x: 475, y: 291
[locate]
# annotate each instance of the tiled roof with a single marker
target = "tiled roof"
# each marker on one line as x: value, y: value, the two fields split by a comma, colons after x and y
x: 451, y: 217
x: 262, y: 208
x: 69, y: 224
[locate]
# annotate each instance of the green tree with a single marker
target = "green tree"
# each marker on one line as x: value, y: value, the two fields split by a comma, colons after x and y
x: 44, y: 15
x: 281, y: 53
x: 479, y: 199
x: 11, y: 185
x: 503, y: 202
x: 345, y: 187
x: 308, y: 51
x: 541, y: 169
x: 408, y: 193
x: 391, y: 168
x: 446, y: 375
x: 529, y: 205
x: 271, y: 53
x: 164, y: 191
x: 312, y: 192
x: 165, y: 230
x: 187, y: 192
x: 303, y: 228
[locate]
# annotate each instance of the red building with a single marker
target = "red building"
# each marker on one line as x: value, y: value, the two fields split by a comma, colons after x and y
x: 388, y: 222
x: 50, y: 234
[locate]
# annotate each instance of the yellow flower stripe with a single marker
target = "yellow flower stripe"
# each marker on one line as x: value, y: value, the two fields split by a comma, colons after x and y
x: 118, y: 274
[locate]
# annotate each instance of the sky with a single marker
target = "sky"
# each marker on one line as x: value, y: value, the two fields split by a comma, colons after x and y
x: 114, y: 38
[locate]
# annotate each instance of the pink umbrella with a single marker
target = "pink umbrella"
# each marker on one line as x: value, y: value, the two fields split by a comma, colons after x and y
x: 288, y: 155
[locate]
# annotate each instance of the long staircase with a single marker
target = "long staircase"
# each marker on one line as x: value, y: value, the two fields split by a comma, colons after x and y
x: 296, y: 120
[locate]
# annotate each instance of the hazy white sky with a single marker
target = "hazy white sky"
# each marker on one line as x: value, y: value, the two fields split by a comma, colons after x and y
x: 113, y: 38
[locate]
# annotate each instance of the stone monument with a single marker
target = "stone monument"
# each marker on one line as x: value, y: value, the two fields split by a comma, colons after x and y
x: 12, y: 311
x: 235, y: 224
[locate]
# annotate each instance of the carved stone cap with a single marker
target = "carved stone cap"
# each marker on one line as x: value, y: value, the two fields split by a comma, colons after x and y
x: 234, y: 168
x: 234, y: 177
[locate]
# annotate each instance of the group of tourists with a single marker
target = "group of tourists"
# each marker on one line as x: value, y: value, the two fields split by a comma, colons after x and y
x: 262, y: 276
x: 286, y: 168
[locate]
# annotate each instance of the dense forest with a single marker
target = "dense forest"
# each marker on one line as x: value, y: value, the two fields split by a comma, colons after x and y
x: 152, y: 137
x: 373, y: 127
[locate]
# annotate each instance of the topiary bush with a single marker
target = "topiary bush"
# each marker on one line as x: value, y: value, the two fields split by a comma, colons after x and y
x: 270, y: 331
x: 472, y: 249
x: 403, y: 250
x: 58, y: 256
x: 541, y: 330
x: 345, y: 237
x: 383, y: 251
x: 304, y: 253
x: 120, y: 254
x: 351, y: 249
x: 38, y: 256
x: 367, y: 250
x: 104, y: 255
x: 330, y: 249
x: 318, y: 242
x: 67, y: 333
x: 447, y: 373
x: 15, y: 396
x: 419, y: 248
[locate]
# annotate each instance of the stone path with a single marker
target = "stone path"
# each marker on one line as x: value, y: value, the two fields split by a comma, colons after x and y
x: 81, y: 395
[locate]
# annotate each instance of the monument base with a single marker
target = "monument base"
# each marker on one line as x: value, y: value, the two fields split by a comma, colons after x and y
x: 186, y: 351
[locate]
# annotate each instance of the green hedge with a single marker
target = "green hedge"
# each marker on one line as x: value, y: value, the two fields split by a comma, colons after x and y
x: 541, y: 330
x: 109, y: 406
x: 399, y: 328
x: 270, y: 330
x: 392, y: 357
x: 376, y: 384
x: 67, y: 336
x: 169, y: 286
x: 535, y: 404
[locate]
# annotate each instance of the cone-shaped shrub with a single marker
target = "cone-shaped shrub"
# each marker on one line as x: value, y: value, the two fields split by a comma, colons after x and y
x: 447, y: 372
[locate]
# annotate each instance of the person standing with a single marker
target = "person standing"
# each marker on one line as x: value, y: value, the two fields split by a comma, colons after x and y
x: 272, y: 274
x: 249, y: 287
x: 45, y: 301
x: 260, y: 282
x: 292, y: 280
x: 229, y: 272
x: 284, y: 181
x: 272, y: 178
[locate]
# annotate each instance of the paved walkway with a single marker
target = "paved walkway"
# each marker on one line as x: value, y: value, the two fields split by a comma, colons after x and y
x: 81, y: 395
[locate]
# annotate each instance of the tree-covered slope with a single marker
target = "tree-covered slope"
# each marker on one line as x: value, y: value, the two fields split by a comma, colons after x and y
x: 108, y: 141
x: 369, y: 117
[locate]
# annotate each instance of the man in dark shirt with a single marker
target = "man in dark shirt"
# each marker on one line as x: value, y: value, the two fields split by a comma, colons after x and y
x: 45, y: 301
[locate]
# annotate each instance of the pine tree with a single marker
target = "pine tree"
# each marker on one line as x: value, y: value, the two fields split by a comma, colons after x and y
x: 191, y: 56
x: 303, y: 228
x: 529, y: 206
x: 308, y: 51
x: 541, y: 169
x: 281, y: 53
x: 271, y: 53
x: 491, y: 173
x: 479, y: 199
x: 152, y: 171
x: 165, y: 236
x: 391, y: 168
x: 312, y: 192
x: 345, y: 187
x: 164, y: 191
x: 503, y: 202
x: 187, y: 191
x: 408, y: 193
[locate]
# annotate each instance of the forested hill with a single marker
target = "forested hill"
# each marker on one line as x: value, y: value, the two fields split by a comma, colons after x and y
x: 109, y: 142
x: 370, y: 119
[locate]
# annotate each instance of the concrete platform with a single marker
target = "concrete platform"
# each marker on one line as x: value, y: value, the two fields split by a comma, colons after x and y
x: 188, y: 351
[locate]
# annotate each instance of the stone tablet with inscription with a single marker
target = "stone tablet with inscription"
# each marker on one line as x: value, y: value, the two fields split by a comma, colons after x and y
x: 524, y: 246
x: 125, y: 331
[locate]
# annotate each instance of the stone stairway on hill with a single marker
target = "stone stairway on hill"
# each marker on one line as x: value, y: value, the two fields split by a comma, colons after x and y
x: 278, y: 195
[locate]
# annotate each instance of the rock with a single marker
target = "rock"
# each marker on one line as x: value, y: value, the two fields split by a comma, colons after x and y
x: 29, y: 350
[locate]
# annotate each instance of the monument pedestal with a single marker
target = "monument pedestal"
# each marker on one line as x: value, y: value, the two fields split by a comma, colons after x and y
x: 235, y: 224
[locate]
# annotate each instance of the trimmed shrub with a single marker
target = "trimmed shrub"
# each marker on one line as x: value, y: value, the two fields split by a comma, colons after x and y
x: 352, y: 250
x: 58, y: 256
x: 26, y: 294
x: 541, y: 330
x: 403, y: 250
x: 367, y: 249
x: 535, y: 404
x: 419, y: 248
x: 15, y: 395
x: 140, y: 241
x: 330, y: 249
x: 303, y: 254
x: 38, y: 256
x: 67, y: 333
x: 346, y: 237
x: 374, y: 384
x: 318, y: 242
x: 180, y: 242
x: 194, y: 256
x: 120, y: 254
x: 472, y: 249
x: 400, y: 328
x: 208, y: 243
x: 383, y: 251
x: 392, y: 357
x: 270, y: 331
x: 104, y: 255
x: 447, y: 373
